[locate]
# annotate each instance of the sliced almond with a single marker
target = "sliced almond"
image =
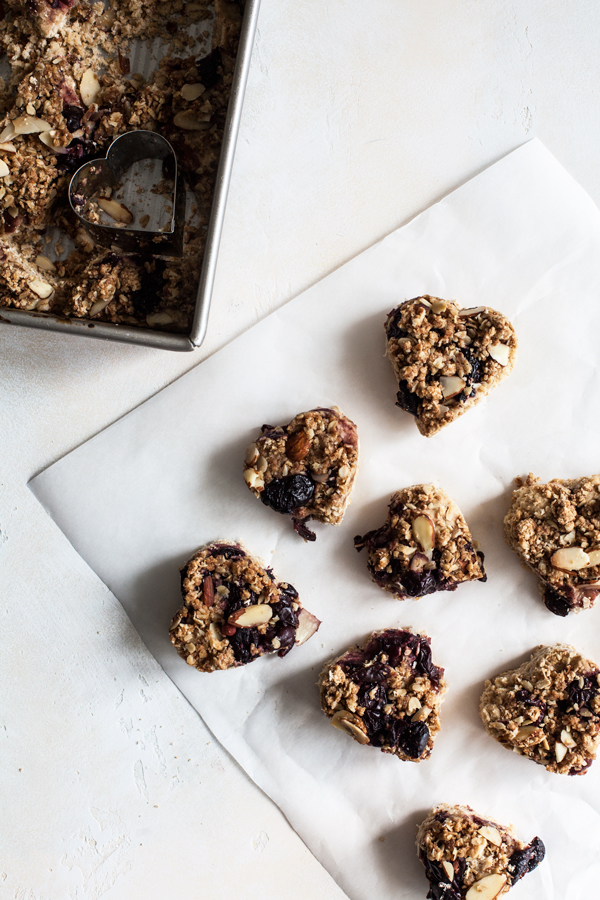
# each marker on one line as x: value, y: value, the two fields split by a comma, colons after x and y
x: 261, y: 465
x: 413, y: 705
x: 525, y: 731
x: 7, y: 133
x: 41, y: 287
x: 4, y: 170
x: 501, y: 353
x: 192, y: 91
x: 97, y: 307
x: 251, y: 616
x: 487, y: 888
x: 421, y: 714
x: 567, y: 739
x: 594, y: 557
x: 251, y: 455
x: 451, y: 385
x: 560, y: 750
x: 215, y: 634
x: 115, y: 210
x: 307, y: 626
x: 89, y: 87
x: 570, y: 559
x: 438, y: 306
x: 47, y: 138
x: 424, y: 532
x: 253, y: 479
x: 491, y: 834
x: 42, y: 262
x: 471, y: 311
x: 30, y: 125
x: 159, y: 318
x: 189, y: 122
x: 8, y: 148
x: 349, y: 724
x: 418, y: 562
x: 448, y: 869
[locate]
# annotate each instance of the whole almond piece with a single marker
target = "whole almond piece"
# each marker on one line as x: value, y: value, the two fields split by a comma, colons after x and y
x: 208, y: 590
x: 570, y: 559
x: 297, y: 446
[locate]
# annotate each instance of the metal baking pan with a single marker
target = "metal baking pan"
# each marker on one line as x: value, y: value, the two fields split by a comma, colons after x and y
x: 148, y: 337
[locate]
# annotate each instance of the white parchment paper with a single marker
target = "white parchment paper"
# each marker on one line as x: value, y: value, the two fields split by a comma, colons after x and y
x: 140, y: 497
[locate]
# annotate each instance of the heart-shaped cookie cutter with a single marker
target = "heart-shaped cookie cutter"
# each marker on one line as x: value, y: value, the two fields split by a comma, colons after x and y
x: 127, y: 149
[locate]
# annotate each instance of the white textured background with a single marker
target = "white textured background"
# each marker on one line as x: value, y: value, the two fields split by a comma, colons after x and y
x: 357, y: 117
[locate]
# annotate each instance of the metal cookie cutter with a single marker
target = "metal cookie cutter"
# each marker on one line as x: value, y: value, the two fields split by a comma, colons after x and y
x: 124, y: 151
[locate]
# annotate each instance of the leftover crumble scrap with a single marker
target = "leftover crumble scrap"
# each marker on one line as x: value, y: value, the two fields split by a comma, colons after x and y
x: 70, y: 94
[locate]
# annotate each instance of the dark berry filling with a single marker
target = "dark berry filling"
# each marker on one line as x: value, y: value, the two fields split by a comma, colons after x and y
x: 407, y: 400
x: 526, y: 860
x: 370, y: 669
x: 440, y: 886
x: 242, y: 639
x: 412, y: 583
x: 77, y: 153
x: 286, y: 494
x: 208, y: 68
x: 579, y: 698
x: 528, y: 699
x: 73, y: 116
x: 557, y: 603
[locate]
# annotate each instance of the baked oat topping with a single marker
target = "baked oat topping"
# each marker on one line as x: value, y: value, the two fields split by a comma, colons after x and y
x: 424, y: 546
x: 467, y: 857
x: 547, y: 710
x: 234, y: 610
x: 446, y: 359
x: 386, y: 693
x: 554, y: 529
x: 70, y: 95
x: 306, y: 468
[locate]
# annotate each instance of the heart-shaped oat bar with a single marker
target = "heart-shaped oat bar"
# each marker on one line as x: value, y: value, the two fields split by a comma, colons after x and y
x: 554, y: 529
x: 386, y: 693
x: 446, y: 359
x: 234, y: 610
x: 306, y: 468
x: 424, y: 546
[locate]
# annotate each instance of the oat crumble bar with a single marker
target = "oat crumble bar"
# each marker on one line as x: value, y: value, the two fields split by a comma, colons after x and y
x: 467, y: 857
x: 424, y: 546
x: 234, y: 610
x: 70, y: 94
x: 547, y: 710
x: 554, y: 529
x: 306, y: 468
x: 446, y: 359
x: 386, y: 693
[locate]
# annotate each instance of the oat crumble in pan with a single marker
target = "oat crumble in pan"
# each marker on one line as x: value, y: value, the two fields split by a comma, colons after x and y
x: 70, y: 94
x: 467, y: 857
x: 306, y: 468
x: 554, y: 529
x: 234, y: 610
x: 446, y: 359
x: 547, y: 710
x: 424, y: 546
x: 386, y: 693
